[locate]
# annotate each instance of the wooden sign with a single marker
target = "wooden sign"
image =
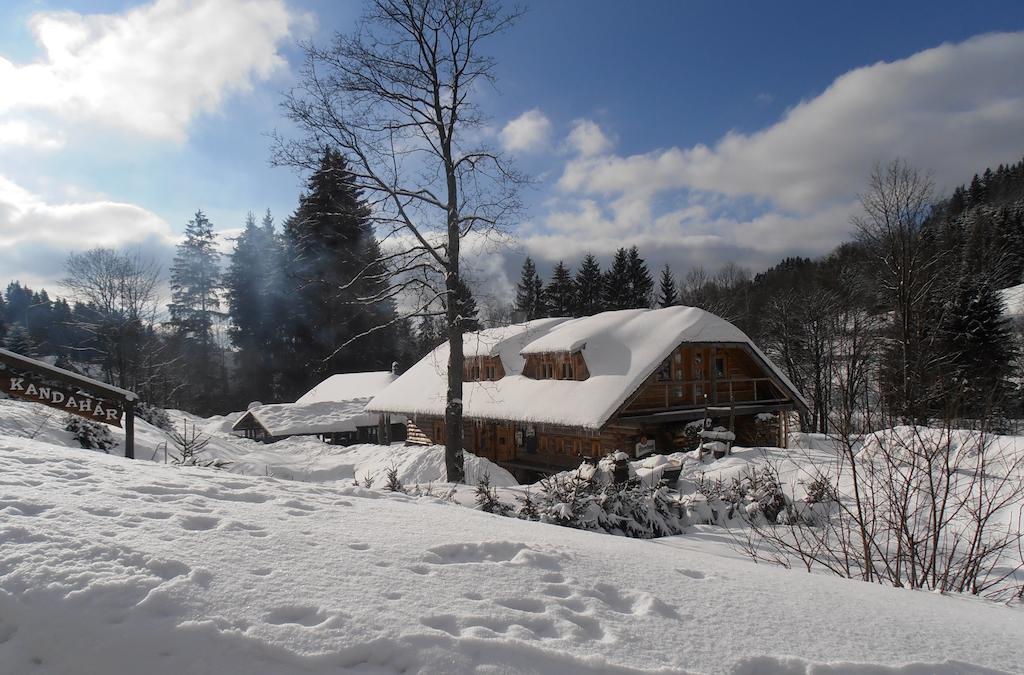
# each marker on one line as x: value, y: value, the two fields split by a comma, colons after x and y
x: 68, y: 400
x: 30, y: 379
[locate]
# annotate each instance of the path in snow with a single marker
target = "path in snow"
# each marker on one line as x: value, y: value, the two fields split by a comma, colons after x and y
x: 109, y: 566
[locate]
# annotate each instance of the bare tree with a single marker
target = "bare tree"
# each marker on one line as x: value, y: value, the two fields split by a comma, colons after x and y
x: 397, y: 98
x: 932, y: 508
x: 121, y: 293
x: 896, y: 207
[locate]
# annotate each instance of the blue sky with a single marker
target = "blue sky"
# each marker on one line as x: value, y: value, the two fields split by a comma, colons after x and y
x: 705, y: 132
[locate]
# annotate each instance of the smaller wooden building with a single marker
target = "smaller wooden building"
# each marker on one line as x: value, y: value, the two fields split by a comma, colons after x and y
x: 334, y: 410
x: 541, y: 395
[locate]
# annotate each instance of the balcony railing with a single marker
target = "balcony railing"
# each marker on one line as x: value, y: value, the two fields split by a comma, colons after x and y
x: 698, y: 393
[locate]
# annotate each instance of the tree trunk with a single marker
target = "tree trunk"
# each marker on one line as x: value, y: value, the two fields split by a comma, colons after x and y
x: 453, y: 459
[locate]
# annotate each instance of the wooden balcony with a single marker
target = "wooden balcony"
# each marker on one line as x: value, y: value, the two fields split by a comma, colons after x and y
x: 676, y: 395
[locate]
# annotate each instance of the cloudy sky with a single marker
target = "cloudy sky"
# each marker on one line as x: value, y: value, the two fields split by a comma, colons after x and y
x: 701, y: 132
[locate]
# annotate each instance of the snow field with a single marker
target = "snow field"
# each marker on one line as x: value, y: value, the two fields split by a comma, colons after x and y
x: 109, y: 566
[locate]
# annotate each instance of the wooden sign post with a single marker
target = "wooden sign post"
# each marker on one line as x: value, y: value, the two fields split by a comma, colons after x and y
x: 70, y: 392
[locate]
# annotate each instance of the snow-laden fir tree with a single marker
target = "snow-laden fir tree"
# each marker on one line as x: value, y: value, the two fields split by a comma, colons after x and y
x: 19, y: 341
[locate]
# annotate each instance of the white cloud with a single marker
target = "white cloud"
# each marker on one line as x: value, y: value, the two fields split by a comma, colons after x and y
x: 952, y: 109
x: 151, y: 69
x: 791, y: 187
x: 528, y: 132
x: 19, y: 133
x: 587, y: 139
x: 36, y: 236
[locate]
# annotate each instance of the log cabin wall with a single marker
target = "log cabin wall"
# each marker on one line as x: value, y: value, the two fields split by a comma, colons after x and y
x: 697, y: 375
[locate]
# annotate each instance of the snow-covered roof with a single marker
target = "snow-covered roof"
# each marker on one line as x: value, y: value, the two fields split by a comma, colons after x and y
x: 337, y: 404
x: 348, y: 386
x: 1013, y: 301
x: 622, y: 349
x: 323, y: 417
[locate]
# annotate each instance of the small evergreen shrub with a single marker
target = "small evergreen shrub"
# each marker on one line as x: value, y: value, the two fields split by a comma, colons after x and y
x: 90, y: 435
x: 158, y: 417
x: 487, y: 498
x: 393, y: 484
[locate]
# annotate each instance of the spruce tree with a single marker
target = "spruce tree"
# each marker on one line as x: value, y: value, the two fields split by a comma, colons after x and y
x: 560, y: 293
x: 617, y: 292
x: 530, y: 292
x: 589, y: 288
x: 252, y: 285
x: 337, y: 282
x: 195, y: 310
x: 668, y: 295
x: 640, y: 285
x: 980, y: 349
x: 19, y: 341
x: 467, y: 308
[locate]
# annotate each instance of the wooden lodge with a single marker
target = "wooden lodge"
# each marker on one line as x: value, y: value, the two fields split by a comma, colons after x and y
x: 540, y: 396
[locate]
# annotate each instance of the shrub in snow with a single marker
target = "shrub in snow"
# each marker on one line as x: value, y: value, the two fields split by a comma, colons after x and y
x: 158, y: 417
x: 91, y: 435
x: 527, y: 508
x: 487, y: 498
x: 189, y: 444
x: 393, y: 484
x: 755, y: 494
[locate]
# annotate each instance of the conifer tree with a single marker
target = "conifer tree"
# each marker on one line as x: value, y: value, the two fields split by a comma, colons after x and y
x: 589, y: 288
x: 668, y: 295
x: 980, y: 348
x: 467, y: 308
x: 530, y: 292
x: 195, y: 309
x: 19, y: 341
x: 334, y: 266
x: 640, y: 285
x: 252, y: 284
x: 617, y: 291
x: 560, y: 293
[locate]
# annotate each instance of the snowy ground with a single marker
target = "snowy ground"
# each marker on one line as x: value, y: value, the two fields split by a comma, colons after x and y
x: 110, y: 566
x: 300, y: 458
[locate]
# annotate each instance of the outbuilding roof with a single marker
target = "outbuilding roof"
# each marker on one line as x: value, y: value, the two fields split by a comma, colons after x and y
x: 337, y: 404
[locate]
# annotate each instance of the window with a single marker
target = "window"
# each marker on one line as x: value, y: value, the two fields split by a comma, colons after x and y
x: 720, y: 366
x: 664, y: 371
x: 567, y: 373
x: 547, y: 371
x: 567, y: 447
x: 698, y: 392
x: 474, y: 373
x: 490, y: 373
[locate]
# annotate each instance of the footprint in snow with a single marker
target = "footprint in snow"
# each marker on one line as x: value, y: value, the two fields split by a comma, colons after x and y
x: 359, y: 546
x: 693, y: 574
x: 198, y: 523
x: 302, y: 615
